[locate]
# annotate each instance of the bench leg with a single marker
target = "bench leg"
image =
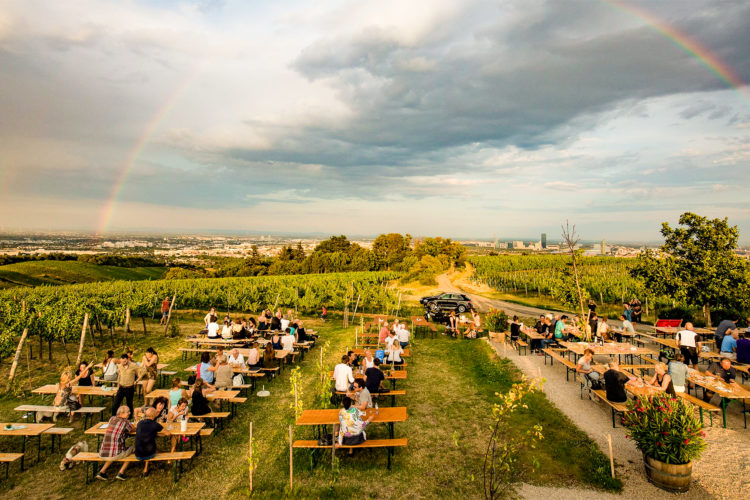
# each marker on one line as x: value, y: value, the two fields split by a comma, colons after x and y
x: 701, y: 412
x: 390, y: 452
x: 613, y: 418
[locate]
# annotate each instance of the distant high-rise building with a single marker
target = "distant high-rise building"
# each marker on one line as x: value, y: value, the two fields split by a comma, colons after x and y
x: 544, y: 240
x: 495, y: 247
x: 604, y: 247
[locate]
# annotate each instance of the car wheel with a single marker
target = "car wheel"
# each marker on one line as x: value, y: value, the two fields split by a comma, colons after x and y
x: 461, y: 308
x: 433, y: 307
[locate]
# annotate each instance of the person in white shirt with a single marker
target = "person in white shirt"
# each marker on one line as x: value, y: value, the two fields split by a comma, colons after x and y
x: 213, y: 329
x: 288, y: 341
x: 403, y: 336
x: 226, y: 331
x: 394, y: 353
x: 236, y: 359
x: 342, y: 374
x: 389, y: 340
x: 686, y: 340
x: 602, y: 329
x: 284, y: 324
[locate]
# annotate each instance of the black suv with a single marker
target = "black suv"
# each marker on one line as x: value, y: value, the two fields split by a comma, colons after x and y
x: 446, y: 302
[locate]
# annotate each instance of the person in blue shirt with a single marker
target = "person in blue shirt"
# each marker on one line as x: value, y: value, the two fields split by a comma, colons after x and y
x: 729, y: 345
x: 724, y: 329
x: 627, y: 312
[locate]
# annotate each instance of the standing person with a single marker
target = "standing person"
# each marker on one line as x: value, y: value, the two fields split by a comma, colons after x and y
x: 686, y: 342
x: 343, y: 375
x: 210, y: 317
x: 678, y: 370
x: 127, y: 377
x: 592, y: 306
x: 627, y: 312
x: 726, y: 326
x: 637, y: 311
x: 164, y: 311
x: 109, y: 367
x: 145, y: 438
x: 662, y: 380
x: 65, y: 396
x: 150, y: 368
x: 593, y: 323
x: 113, y: 445
x: 323, y: 313
x: 85, y: 375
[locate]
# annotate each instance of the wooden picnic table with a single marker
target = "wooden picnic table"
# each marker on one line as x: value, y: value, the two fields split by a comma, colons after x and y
x: 360, y: 351
x: 392, y: 375
x: 727, y: 392
x: 217, y: 395
x: 671, y: 330
x: 417, y: 321
x: 388, y: 415
x: 26, y: 430
x: 83, y: 390
x: 671, y: 343
x: 608, y: 349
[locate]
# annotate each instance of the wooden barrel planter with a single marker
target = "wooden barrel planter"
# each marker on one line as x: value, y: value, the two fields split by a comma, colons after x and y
x: 669, y: 477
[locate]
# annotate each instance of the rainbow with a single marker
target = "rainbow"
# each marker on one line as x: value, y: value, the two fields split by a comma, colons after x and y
x: 682, y: 41
x: 106, y: 214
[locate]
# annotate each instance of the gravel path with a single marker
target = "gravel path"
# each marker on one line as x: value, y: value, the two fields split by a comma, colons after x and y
x: 722, y: 472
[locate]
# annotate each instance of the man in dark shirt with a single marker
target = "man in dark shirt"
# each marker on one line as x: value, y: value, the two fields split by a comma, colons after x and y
x: 743, y: 349
x: 614, y: 382
x: 276, y: 321
x: 722, y: 370
x: 541, y: 326
x: 145, y: 438
x: 374, y: 378
x: 724, y: 327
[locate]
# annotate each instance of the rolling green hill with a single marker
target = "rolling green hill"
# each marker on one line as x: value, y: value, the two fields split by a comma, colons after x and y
x: 54, y: 272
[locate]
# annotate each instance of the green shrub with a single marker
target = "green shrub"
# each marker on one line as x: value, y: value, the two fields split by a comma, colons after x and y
x: 496, y: 320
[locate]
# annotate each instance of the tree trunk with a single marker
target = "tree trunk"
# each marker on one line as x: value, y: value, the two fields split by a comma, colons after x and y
x: 707, y: 314
x: 169, y: 314
x: 144, y: 325
x: 65, y: 347
x: 83, y: 338
x: 49, y: 348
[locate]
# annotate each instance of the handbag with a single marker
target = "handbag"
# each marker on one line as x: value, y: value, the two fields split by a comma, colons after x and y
x: 238, y: 380
x: 325, y: 440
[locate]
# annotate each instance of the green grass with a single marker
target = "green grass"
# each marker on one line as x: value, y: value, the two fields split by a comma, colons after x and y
x: 55, y: 272
x: 450, y: 391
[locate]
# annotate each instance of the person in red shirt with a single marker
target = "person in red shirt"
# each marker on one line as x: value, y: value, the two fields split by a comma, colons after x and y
x: 323, y: 313
x: 164, y: 310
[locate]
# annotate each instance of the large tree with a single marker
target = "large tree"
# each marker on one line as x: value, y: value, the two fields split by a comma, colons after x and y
x: 697, y: 265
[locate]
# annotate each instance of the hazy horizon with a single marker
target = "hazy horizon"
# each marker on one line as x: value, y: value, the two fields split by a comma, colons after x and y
x: 443, y: 117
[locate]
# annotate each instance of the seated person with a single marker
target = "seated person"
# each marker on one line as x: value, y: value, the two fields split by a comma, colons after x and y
x: 351, y: 425
x: 728, y: 345
x: 342, y: 375
x: 177, y: 414
x: 213, y: 329
x: 627, y: 326
x: 238, y: 331
x: 584, y: 367
x: 678, y: 370
x: 393, y: 355
x: 160, y: 404
x: 113, y: 446
x: 226, y: 329
x: 561, y: 329
x: 276, y: 341
x: 374, y: 378
x: 236, y: 359
x: 515, y: 329
x: 361, y: 395
x: 614, y: 382
x: 224, y: 374
x: 288, y: 340
x: 602, y: 329
x: 722, y: 370
x: 145, y: 438
x: 176, y: 392
x: 200, y: 404
x: 403, y: 336
x: 743, y: 348
x: 662, y: 380
x: 368, y: 360
x: 390, y: 339
x: 254, y: 361
x: 269, y: 357
x: 353, y: 359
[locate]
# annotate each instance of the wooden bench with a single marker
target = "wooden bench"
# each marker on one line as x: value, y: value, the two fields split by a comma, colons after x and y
x: 702, y: 405
x: 59, y: 432
x: 377, y: 395
x: 234, y: 402
x: 93, y: 457
x: 616, y: 407
x: 218, y: 416
x: 521, y: 344
x: 388, y: 444
x: 7, y: 459
x: 553, y: 355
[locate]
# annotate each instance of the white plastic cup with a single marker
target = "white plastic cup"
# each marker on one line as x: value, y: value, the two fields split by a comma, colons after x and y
x: 183, y: 425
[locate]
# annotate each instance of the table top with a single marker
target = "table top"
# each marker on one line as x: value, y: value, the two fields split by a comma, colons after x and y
x: 665, y: 342
x: 211, y: 395
x: 193, y: 428
x: 329, y: 417
x: 235, y: 369
x: 639, y: 388
x: 78, y: 389
x: 532, y: 334
x: 390, y: 374
x: 159, y: 366
x: 360, y: 351
x: 610, y: 348
x: 731, y: 391
x: 28, y: 429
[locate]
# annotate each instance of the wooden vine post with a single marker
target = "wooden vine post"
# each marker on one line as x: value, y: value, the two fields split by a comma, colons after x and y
x: 83, y: 337
x: 169, y: 314
x: 18, y: 355
x: 291, y: 461
x: 611, y: 457
x: 127, y: 320
x: 250, y: 457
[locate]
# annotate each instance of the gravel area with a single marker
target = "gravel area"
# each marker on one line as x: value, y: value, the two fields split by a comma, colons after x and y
x: 723, y: 470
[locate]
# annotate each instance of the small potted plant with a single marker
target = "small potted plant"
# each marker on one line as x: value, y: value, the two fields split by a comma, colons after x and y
x: 670, y: 436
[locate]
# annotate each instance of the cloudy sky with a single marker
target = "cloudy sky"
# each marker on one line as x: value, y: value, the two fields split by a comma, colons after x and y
x: 458, y: 118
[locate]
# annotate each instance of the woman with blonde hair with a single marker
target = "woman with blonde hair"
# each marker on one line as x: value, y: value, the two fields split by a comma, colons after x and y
x: 65, y: 396
x: 662, y: 379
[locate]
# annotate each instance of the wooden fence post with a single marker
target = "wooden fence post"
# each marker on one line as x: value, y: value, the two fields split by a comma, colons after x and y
x: 250, y: 456
x: 83, y: 336
x: 169, y: 314
x: 127, y: 320
x: 291, y: 462
x: 611, y: 457
x: 15, y: 358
